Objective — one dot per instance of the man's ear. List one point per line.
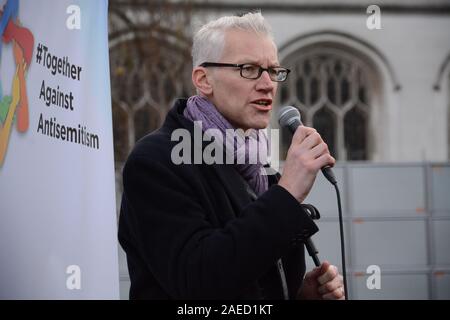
(202, 81)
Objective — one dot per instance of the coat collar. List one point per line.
(236, 187)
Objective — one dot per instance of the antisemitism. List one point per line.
(80, 135)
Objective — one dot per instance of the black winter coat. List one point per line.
(192, 231)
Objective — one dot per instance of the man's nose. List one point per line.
(264, 82)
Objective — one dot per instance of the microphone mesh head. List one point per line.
(287, 114)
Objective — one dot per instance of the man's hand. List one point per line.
(307, 154)
(322, 283)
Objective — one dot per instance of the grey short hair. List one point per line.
(210, 39)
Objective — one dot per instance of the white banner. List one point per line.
(57, 195)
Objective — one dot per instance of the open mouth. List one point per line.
(263, 104)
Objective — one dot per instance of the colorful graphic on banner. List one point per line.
(17, 103)
(58, 230)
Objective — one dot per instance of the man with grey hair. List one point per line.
(223, 230)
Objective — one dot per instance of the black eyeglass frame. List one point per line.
(241, 65)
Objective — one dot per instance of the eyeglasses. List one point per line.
(253, 71)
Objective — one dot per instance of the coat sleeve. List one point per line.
(189, 257)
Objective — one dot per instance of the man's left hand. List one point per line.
(322, 283)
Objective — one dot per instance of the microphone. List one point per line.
(289, 117)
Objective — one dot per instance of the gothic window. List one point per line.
(150, 66)
(331, 89)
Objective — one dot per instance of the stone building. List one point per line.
(377, 95)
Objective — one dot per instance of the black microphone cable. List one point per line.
(341, 232)
(309, 244)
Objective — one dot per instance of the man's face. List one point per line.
(245, 103)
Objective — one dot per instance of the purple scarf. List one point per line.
(200, 109)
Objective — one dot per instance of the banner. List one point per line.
(57, 193)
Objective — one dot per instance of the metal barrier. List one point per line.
(397, 221)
